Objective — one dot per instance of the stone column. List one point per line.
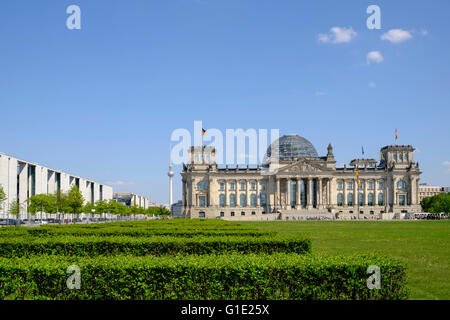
(269, 191)
(320, 200)
(258, 202)
(309, 197)
(278, 205)
(365, 192)
(328, 202)
(226, 193)
(333, 194)
(375, 196)
(247, 193)
(211, 195)
(394, 188)
(412, 190)
(344, 184)
(288, 193)
(297, 194)
(355, 193)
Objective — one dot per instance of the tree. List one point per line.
(15, 208)
(437, 204)
(42, 203)
(2, 195)
(74, 200)
(88, 207)
(60, 201)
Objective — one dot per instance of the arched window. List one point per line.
(232, 200)
(201, 185)
(370, 199)
(222, 200)
(361, 199)
(253, 200)
(242, 200)
(339, 199)
(263, 200)
(350, 199)
(401, 184)
(380, 199)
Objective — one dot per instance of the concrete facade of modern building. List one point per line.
(22, 179)
(131, 199)
(295, 183)
(430, 191)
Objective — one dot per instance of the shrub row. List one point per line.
(94, 246)
(52, 232)
(278, 276)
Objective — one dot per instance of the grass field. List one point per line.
(423, 245)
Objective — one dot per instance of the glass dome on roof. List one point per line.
(292, 146)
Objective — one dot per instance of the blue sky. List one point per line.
(102, 102)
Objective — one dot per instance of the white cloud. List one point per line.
(372, 84)
(338, 35)
(320, 93)
(423, 32)
(396, 35)
(119, 183)
(446, 165)
(374, 56)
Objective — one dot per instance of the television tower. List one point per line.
(170, 174)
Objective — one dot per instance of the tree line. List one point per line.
(436, 204)
(73, 202)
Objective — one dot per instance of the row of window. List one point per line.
(401, 156)
(203, 186)
(222, 214)
(370, 199)
(242, 200)
(370, 185)
(242, 185)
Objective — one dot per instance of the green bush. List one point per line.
(82, 232)
(156, 245)
(278, 276)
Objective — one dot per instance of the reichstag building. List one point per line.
(302, 185)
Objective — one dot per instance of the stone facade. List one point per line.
(302, 186)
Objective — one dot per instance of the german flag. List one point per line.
(203, 132)
(357, 175)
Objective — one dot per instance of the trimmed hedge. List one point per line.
(129, 232)
(278, 276)
(94, 246)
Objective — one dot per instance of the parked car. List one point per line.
(11, 222)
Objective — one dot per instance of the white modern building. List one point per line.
(22, 179)
(131, 199)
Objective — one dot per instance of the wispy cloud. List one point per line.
(396, 36)
(374, 56)
(320, 93)
(423, 32)
(446, 165)
(372, 84)
(119, 183)
(337, 35)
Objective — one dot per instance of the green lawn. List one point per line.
(423, 245)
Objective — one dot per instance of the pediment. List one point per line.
(301, 167)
